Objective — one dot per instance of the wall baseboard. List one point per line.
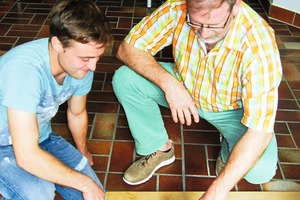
(281, 14)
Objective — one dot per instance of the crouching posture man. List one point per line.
(226, 70)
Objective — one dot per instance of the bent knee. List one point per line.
(262, 172)
(40, 190)
(265, 169)
(122, 75)
(261, 176)
(124, 80)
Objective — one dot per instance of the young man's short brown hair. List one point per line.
(79, 20)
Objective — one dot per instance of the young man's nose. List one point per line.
(92, 64)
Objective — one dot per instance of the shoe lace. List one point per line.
(145, 159)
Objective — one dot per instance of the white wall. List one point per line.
(292, 5)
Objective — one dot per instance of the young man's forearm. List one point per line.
(78, 125)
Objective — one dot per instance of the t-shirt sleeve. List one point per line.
(21, 85)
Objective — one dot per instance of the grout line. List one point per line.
(280, 169)
(292, 136)
(104, 81)
(289, 163)
(236, 187)
(182, 160)
(157, 182)
(292, 92)
(200, 176)
(294, 141)
(207, 162)
(112, 145)
(93, 126)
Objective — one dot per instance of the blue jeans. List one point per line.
(140, 99)
(16, 183)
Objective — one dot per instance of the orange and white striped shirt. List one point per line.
(241, 71)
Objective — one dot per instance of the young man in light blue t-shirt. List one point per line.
(37, 77)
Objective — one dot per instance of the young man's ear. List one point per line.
(236, 7)
(56, 44)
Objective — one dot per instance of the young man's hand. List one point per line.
(94, 192)
(89, 156)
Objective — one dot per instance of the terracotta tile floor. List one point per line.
(196, 146)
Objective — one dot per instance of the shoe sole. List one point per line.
(164, 163)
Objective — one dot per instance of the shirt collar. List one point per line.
(236, 32)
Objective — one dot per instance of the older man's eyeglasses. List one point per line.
(201, 26)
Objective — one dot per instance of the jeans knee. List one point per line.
(45, 193)
(44, 190)
(40, 190)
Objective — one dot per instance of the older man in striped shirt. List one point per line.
(226, 70)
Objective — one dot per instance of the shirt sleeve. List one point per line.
(154, 32)
(261, 79)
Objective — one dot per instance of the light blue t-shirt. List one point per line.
(27, 84)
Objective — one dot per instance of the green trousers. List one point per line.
(140, 99)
